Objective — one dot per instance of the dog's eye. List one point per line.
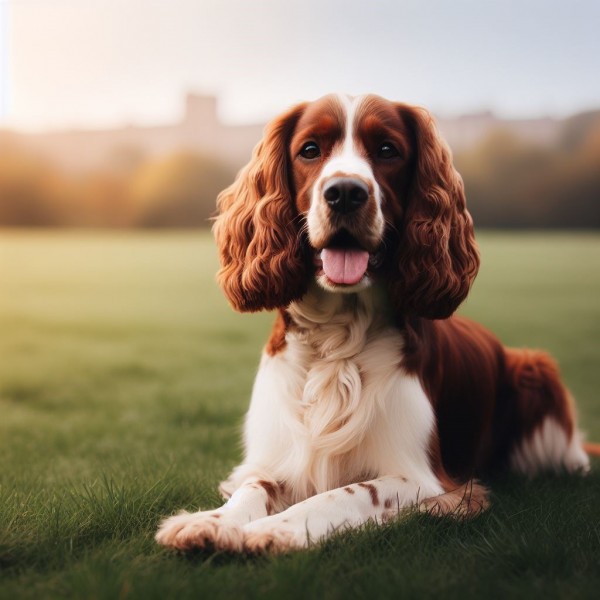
(387, 150)
(310, 150)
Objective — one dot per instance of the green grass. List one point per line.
(124, 377)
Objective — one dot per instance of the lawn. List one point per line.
(124, 377)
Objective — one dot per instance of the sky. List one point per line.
(98, 63)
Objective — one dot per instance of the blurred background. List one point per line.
(132, 114)
(124, 374)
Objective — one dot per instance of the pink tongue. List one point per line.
(344, 266)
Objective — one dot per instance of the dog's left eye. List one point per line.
(387, 150)
(310, 150)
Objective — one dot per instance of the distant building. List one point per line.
(465, 131)
(200, 130)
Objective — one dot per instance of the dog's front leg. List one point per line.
(221, 529)
(317, 517)
(378, 500)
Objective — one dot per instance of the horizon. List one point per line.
(180, 116)
(132, 66)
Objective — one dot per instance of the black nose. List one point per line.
(345, 194)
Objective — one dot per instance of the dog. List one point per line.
(371, 399)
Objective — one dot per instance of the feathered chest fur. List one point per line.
(333, 338)
(336, 397)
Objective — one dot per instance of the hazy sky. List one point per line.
(104, 62)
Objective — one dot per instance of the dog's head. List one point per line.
(350, 191)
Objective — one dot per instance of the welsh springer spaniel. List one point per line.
(350, 221)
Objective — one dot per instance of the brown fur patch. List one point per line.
(540, 393)
(388, 503)
(591, 448)
(276, 342)
(372, 492)
(349, 490)
(272, 490)
(269, 487)
(487, 398)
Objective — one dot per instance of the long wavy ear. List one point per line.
(437, 256)
(263, 262)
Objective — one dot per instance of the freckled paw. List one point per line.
(205, 530)
(272, 539)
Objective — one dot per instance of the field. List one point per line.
(124, 377)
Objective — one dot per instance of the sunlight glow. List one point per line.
(107, 62)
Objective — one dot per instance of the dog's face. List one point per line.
(351, 163)
(352, 191)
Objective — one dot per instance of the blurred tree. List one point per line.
(179, 191)
(509, 183)
(512, 183)
(125, 159)
(576, 129)
(101, 199)
(32, 192)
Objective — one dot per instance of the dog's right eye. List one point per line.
(387, 150)
(310, 150)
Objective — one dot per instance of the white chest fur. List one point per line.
(335, 406)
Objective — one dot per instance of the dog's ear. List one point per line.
(263, 261)
(437, 257)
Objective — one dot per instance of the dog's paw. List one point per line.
(273, 535)
(465, 502)
(211, 530)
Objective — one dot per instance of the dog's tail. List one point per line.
(591, 448)
(545, 412)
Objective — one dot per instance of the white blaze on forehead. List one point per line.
(348, 160)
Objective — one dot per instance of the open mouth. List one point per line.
(344, 261)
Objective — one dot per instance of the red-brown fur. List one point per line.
(486, 398)
(276, 342)
(262, 255)
(437, 256)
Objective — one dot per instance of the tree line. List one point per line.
(510, 183)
